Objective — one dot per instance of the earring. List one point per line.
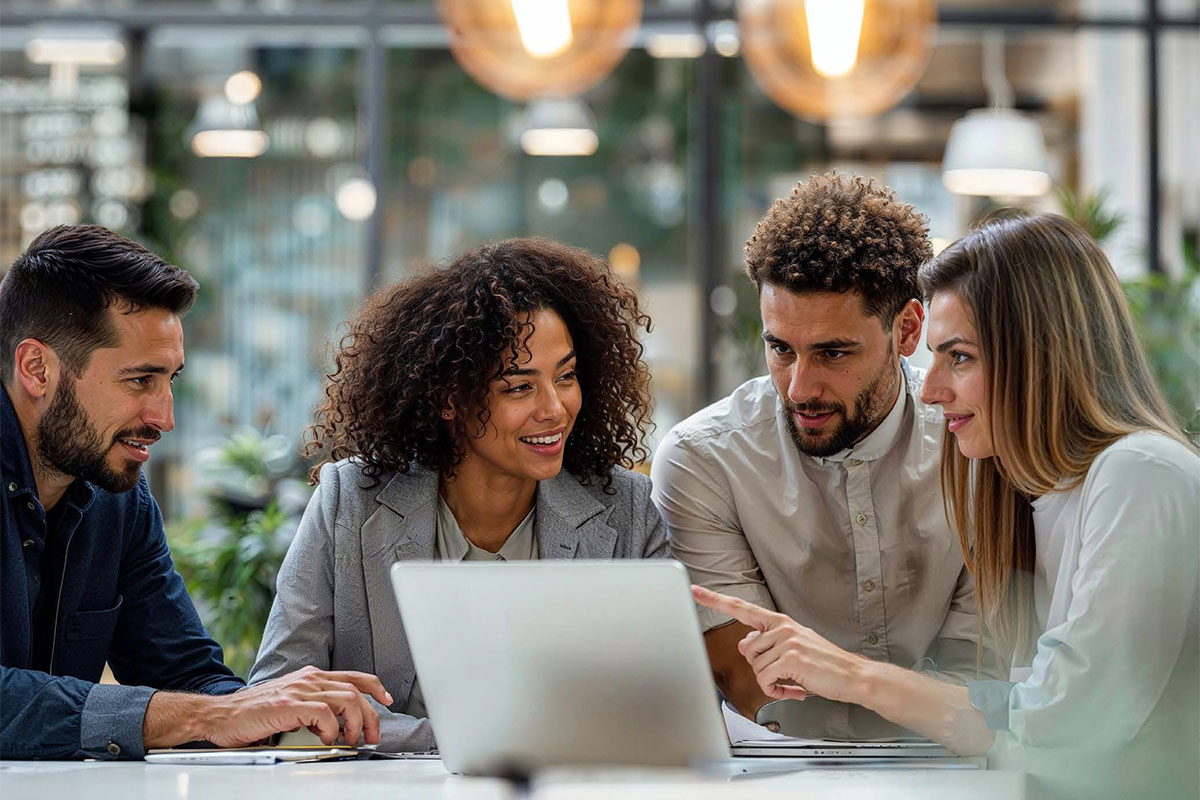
(446, 415)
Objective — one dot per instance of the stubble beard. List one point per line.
(69, 444)
(868, 412)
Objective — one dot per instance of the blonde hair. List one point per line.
(1067, 378)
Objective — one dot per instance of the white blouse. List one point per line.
(1111, 702)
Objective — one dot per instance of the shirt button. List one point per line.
(869, 585)
(29, 506)
(114, 748)
(852, 462)
(12, 487)
(861, 519)
(28, 543)
(872, 639)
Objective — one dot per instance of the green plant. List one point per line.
(229, 566)
(1165, 309)
(230, 558)
(1089, 211)
(1166, 312)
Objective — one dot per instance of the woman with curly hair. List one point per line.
(488, 410)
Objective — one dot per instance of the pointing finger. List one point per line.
(746, 613)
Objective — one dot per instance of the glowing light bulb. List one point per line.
(356, 198)
(242, 87)
(834, 27)
(544, 25)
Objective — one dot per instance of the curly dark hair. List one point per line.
(444, 336)
(837, 233)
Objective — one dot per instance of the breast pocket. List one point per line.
(90, 625)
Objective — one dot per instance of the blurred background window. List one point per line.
(295, 155)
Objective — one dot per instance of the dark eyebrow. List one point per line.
(957, 340)
(519, 371)
(149, 369)
(832, 344)
(836, 344)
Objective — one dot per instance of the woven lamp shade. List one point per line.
(487, 41)
(894, 39)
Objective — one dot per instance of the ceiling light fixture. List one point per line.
(526, 49)
(675, 45)
(828, 59)
(996, 151)
(226, 130)
(544, 26)
(559, 127)
(67, 48)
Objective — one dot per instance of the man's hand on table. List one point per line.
(307, 698)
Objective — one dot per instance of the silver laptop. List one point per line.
(526, 665)
(751, 740)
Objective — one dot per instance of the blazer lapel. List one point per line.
(402, 528)
(570, 523)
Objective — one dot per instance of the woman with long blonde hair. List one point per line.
(1077, 503)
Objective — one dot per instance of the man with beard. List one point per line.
(90, 343)
(815, 490)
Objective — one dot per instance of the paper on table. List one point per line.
(255, 755)
(743, 731)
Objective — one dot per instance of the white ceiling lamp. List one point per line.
(226, 130)
(677, 44)
(559, 126)
(67, 48)
(996, 151)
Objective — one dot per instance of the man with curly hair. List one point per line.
(814, 490)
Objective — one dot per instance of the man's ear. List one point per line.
(36, 369)
(906, 328)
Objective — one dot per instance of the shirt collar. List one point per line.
(453, 545)
(879, 441)
(15, 465)
(16, 468)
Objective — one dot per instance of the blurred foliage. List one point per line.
(229, 564)
(230, 558)
(743, 329)
(1166, 312)
(1089, 211)
(1165, 308)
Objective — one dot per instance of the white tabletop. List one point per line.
(423, 780)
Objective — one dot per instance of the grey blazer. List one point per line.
(334, 607)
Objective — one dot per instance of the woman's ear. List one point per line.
(448, 412)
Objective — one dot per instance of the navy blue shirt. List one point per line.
(90, 582)
(43, 543)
